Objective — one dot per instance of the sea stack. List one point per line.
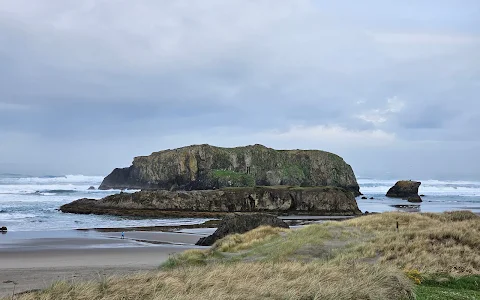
(205, 167)
(405, 189)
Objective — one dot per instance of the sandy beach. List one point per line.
(34, 260)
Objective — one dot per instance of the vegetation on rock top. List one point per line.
(231, 178)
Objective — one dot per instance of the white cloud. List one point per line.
(12, 106)
(424, 38)
(394, 105)
(330, 135)
(379, 116)
(150, 35)
(179, 69)
(420, 45)
(374, 117)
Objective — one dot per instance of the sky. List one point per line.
(391, 86)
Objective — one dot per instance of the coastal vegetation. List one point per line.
(425, 256)
(232, 178)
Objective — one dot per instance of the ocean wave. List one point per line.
(45, 194)
(65, 179)
(425, 181)
(55, 192)
(47, 185)
(36, 189)
(428, 187)
(16, 216)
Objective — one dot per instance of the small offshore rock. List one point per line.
(241, 223)
(91, 188)
(364, 198)
(405, 189)
(414, 199)
(371, 198)
(3, 229)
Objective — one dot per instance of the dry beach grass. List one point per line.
(433, 243)
(362, 258)
(236, 242)
(290, 280)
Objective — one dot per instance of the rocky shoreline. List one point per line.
(217, 203)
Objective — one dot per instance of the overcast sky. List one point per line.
(391, 86)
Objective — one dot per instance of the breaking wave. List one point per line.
(428, 187)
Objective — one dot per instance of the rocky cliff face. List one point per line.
(208, 203)
(203, 167)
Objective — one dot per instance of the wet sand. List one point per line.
(34, 260)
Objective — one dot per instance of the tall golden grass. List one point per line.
(288, 280)
(430, 243)
(237, 242)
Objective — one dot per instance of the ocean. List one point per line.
(31, 203)
(439, 196)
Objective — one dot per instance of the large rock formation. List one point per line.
(240, 223)
(203, 167)
(209, 203)
(405, 189)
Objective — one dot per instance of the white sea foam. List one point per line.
(46, 194)
(67, 179)
(15, 216)
(49, 185)
(31, 203)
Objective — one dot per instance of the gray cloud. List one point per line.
(90, 84)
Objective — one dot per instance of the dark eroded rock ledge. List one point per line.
(241, 223)
(216, 203)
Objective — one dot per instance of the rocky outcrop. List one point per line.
(3, 229)
(240, 223)
(203, 167)
(91, 188)
(209, 203)
(415, 199)
(405, 189)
